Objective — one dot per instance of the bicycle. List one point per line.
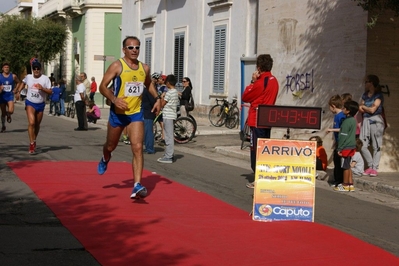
(245, 133)
(184, 129)
(189, 116)
(70, 110)
(224, 113)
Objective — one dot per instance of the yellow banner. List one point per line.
(284, 180)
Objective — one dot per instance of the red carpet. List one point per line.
(176, 225)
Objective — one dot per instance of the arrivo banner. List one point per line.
(284, 180)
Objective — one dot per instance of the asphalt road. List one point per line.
(31, 235)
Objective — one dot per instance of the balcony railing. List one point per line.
(51, 8)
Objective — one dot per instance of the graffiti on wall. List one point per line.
(298, 83)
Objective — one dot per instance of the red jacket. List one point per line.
(255, 94)
(93, 87)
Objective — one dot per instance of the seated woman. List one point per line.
(94, 113)
(321, 158)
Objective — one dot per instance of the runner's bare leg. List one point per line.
(136, 135)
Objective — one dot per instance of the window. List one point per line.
(178, 67)
(219, 63)
(148, 51)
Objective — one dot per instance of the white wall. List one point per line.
(197, 20)
(94, 43)
(330, 41)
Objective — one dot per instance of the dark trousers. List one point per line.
(91, 96)
(56, 106)
(338, 171)
(255, 134)
(81, 114)
(149, 135)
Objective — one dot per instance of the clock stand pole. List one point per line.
(287, 136)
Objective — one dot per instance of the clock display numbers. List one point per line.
(289, 116)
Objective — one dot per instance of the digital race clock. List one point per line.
(288, 116)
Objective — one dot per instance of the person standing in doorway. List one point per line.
(8, 82)
(130, 78)
(373, 126)
(38, 88)
(80, 104)
(262, 90)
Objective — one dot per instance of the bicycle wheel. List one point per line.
(233, 118)
(217, 116)
(245, 135)
(68, 110)
(195, 124)
(183, 130)
(72, 111)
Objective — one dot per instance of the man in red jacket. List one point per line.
(262, 90)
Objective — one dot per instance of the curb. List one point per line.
(377, 187)
(360, 182)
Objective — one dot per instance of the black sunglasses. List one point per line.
(131, 47)
(36, 68)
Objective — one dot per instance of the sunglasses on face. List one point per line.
(36, 68)
(131, 47)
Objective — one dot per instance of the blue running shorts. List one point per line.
(117, 120)
(39, 107)
(6, 97)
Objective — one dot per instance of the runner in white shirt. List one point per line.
(38, 87)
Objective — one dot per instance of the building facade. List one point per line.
(203, 40)
(93, 26)
(320, 48)
(323, 48)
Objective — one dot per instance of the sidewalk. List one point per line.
(385, 183)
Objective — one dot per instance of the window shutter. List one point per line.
(148, 51)
(179, 56)
(219, 63)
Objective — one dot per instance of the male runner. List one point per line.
(38, 87)
(8, 81)
(130, 77)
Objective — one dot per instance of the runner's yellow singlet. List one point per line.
(130, 83)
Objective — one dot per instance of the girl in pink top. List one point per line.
(94, 113)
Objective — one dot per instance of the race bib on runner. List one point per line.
(7, 88)
(133, 89)
(35, 96)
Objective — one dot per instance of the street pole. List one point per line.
(104, 58)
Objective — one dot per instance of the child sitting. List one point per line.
(321, 155)
(94, 113)
(321, 158)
